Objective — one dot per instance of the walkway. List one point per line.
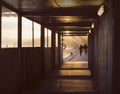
(71, 78)
(76, 56)
(83, 57)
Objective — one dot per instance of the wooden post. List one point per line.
(53, 49)
(59, 48)
(0, 25)
(21, 71)
(19, 31)
(33, 34)
(42, 52)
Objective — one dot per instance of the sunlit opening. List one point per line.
(45, 37)
(72, 51)
(49, 32)
(49, 38)
(37, 35)
(9, 29)
(56, 39)
(26, 32)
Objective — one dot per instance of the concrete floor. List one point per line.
(75, 65)
(69, 79)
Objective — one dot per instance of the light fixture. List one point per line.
(90, 31)
(93, 25)
(67, 19)
(100, 11)
(67, 32)
(66, 3)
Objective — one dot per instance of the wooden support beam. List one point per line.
(19, 31)
(0, 25)
(82, 11)
(33, 34)
(59, 48)
(81, 24)
(75, 35)
(62, 29)
(73, 31)
(42, 52)
(53, 49)
(9, 6)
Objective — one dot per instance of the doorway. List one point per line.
(75, 48)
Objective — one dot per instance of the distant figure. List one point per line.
(85, 48)
(81, 49)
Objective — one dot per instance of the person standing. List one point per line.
(81, 49)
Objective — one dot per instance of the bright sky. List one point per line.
(10, 28)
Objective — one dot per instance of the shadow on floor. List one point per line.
(70, 78)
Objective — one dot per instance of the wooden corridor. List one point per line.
(70, 78)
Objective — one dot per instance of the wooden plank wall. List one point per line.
(103, 51)
(26, 74)
(116, 47)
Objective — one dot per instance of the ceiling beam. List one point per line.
(74, 34)
(3, 3)
(81, 24)
(61, 29)
(82, 11)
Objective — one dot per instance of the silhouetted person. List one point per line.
(81, 49)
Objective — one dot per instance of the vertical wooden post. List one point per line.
(0, 25)
(19, 36)
(92, 52)
(53, 48)
(42, 52)
(19, 31)
(33, 34)
(21, 71)
(42, 36)
(89, 51)
(47, 38)
(116, 48)
(59, 48)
